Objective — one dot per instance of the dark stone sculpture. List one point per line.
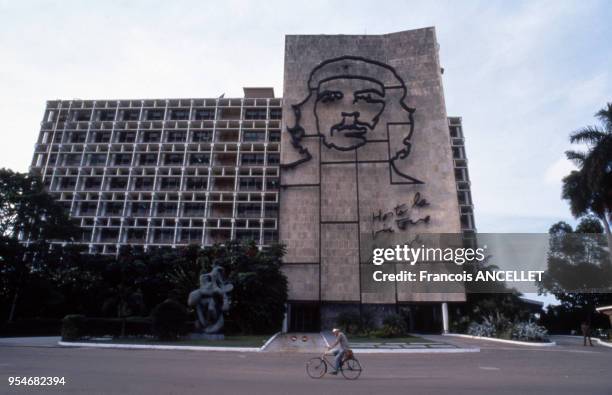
(211, 300)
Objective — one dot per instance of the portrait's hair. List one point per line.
(349, 67)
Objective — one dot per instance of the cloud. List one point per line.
(557, 170)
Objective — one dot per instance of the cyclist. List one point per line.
(343, 346)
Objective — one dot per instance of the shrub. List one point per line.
(394, 325)
(486, 329)
(168, 318)
(529, 331)
(348, 322)
(73, 327)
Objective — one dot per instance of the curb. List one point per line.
(596, 339)
(494, 339)
(158, 347)
(415, 351)
(167, 347)
(270, 340)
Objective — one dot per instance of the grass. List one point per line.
(229, 341)
(403, 339)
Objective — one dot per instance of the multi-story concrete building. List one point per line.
(164, 171)
(360, 136)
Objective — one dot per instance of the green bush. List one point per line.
(73, 327)
(348, 322)
(529, 331)
(168, 318)
(394, 325)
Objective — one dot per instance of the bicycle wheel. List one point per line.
(351, 369)
(316, 368)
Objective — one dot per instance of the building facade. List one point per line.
(164, 172)
(361, 135)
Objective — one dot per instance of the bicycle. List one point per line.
(350, 367)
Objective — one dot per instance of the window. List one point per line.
(106, 115)
(249, 210)
(114, 208)
(252, 159)
(123, 159)
(251, 135)
(127, 137)
(148, 159)
(276, 113)
(118, 183)
(196, 184)
(130, 115)
(255, 114)
(272, 184)
(250, 184)
(151, 137)
(179, 114)
(173, 159)
(92, 183)
(97, 159)
(88, 208)
(273, 159)
(67, 183)
(140, 209)
(204, 114)
(166, 209)
(200, 136)
(77, 137)
(170, 183)
(194, 209)
(102, 137)
(72, 160)
(175, 136)
(199, 159)
(274, 136)
(143, 183)
(155, 115)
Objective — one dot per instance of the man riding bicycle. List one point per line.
(343, 346)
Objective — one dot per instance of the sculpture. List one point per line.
(211, 300)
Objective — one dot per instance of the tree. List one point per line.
(578, 272)
(29, 219)
(589, 189)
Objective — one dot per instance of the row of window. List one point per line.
(189, 209)
(167, 159)
(159, 114)
(166, 183)
(167, 236)
(172, 136)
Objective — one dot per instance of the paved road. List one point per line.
(497, 369)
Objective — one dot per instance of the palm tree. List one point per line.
(589, 189)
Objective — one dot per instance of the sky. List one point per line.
(523, 75)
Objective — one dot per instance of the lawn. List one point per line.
(229, 341)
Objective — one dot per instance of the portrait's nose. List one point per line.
(350, 117)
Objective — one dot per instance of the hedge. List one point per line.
(75, 327)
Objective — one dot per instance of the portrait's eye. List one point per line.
(329, 96)
(369, 96)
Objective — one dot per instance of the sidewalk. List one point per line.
(39, 341)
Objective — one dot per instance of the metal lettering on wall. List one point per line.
(347, 98)
(400, 217)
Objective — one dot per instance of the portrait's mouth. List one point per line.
(352, 130)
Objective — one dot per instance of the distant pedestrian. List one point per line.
(586, 332)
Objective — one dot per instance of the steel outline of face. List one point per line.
(393, 81)
(349, 127)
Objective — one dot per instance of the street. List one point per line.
(498, 369)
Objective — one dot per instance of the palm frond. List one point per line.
(605, 116)
(589, 135)
(577, 157)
